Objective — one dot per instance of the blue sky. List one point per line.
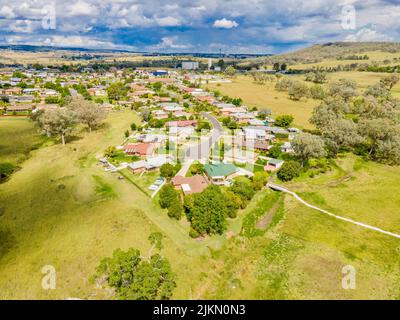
(234, 26)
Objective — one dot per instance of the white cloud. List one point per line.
(67, 41)
(81, 8)
(225, 24)
(7, 12)
(367, 34)
(168, 22)
(170, 43)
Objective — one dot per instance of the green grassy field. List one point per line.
(62, 209)
(303, 255)
(18, 137)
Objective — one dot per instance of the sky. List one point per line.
(208, 26)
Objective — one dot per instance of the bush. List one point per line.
(243, 188)
(260, 179)
(289, 171)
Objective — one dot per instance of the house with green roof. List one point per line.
(219, 172)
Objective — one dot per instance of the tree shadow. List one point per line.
(7, 242)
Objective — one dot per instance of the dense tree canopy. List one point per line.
(135, 278)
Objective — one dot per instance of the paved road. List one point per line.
(283, 189)
(202, 150)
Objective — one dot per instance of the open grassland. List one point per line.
(266, 97)
(303, 255)
(18, 137)
(64, 210)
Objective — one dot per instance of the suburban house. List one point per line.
(287, 147)
(11, 91)
(151, 137)
(256, 122)
(273, 164)
(226, 112)
(149, 164)
(243, 117)
(190, 185)
(139, 149)
(219, 172)
(181, 123)
(171, 107)
(160, 114)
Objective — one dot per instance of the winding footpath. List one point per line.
(363, 225)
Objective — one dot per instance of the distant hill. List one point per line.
(319, 52)
(31, 48)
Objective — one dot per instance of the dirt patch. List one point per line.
(265, 220)
(335, 183)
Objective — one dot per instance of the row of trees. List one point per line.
(62, 121)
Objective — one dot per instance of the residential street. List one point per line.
(202, 150)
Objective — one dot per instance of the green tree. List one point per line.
(244, 188)
(136, 279)
(260, 179)
(167, 170)
(289, 171)
(317, 92)
(117, 91)
(284, 120)
(111, 152)
(60, 121)
(168, 195)
(298, 90)
(275, 151)
(306, 146)
(208, 214)
(133, 126)
(175, 210)
(230, 71)
(343, 88)
(390, 81)
(233, 203)
(88, 112)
